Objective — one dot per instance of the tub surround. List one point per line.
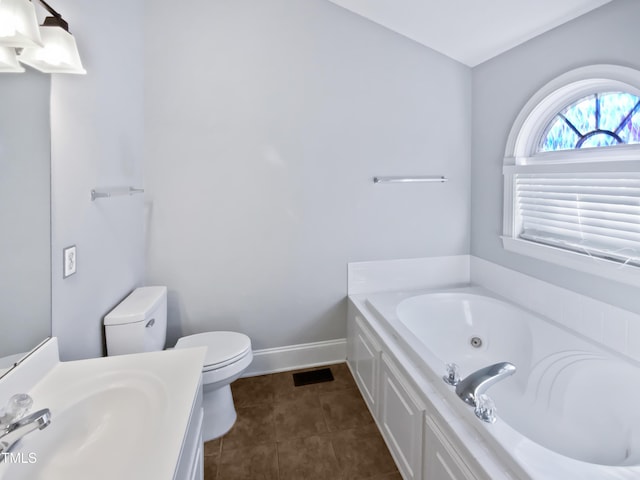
(610, 326)
(408, 274)
(142, 411)
(386, 365)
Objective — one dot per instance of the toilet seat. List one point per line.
(223, 348)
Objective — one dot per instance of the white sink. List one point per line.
(111, 418)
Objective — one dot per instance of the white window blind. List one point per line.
(597, 214)
(572, 174)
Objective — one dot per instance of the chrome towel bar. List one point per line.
(115, 192)
(439, 178)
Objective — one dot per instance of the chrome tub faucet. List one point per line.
(477, 383)
(472, 389)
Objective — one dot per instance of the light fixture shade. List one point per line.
(9, 61)
(18, 24)
(58, 55)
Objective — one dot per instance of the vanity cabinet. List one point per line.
(191, 463)
(141, 416)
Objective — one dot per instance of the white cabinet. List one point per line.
(400, 416)
(190, 465)
(441, 460)
(422, 447)
(364, 359)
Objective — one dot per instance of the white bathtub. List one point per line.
(571, 410)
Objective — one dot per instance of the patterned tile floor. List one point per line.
(314, 432)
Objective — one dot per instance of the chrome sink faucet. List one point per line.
(12, 432)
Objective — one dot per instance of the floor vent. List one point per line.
(314, 376)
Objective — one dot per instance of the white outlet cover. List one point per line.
(70, 261)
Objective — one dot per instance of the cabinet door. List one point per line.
(441, 461)
(366, 358)
(198, 466)
(401, 414)
(190, 461)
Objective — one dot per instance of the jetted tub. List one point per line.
(571, 410)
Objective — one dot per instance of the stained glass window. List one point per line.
(599, 120)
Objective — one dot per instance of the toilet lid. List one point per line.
(222, 347)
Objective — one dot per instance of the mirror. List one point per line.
(25, 214)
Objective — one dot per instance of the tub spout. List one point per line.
(470, 388)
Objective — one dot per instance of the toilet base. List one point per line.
(219, 412)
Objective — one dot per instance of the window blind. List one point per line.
(597, 214)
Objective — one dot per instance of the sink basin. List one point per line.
(116, 417)
(85, 425)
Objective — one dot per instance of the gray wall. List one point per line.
(97, 141)
(25, 263)
(501, 87)
(265, 124)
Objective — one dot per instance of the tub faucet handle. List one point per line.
(485, 409)
(453, 374)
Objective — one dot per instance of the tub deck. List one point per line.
(568, 412)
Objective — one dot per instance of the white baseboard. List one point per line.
(292, 357)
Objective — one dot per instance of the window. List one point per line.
(598, 120)
(572, 174)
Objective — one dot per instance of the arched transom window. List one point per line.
(598, 120)
(572, 174)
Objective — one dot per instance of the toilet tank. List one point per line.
(138, 323)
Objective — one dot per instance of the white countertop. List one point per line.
(122, 417)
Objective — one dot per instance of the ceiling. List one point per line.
(470, 31)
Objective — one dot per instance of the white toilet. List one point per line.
(139, 324)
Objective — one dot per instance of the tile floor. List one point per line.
(313, 432)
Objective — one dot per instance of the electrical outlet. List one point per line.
(69, 261)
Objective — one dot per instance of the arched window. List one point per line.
(572, 174)
(598, 120)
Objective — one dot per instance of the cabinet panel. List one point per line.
(197, 472)
(441, 461)
(366, 356)
(190, 463)
(401, 414)
(423, 446)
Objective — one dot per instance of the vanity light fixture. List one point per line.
(18, 24)
(59, 53)
(9, 61)
(54, 52)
